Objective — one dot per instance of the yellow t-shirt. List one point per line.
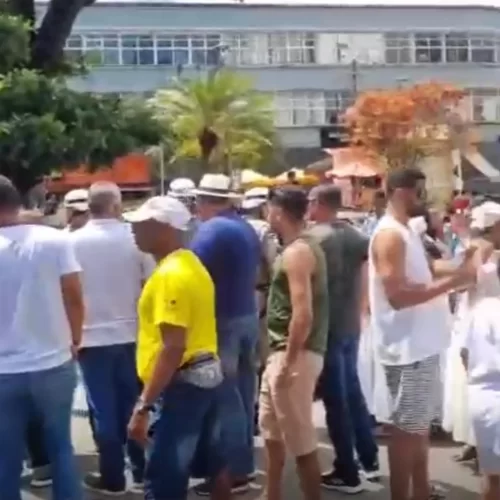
(180, 292)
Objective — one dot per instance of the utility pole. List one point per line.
(354, 77)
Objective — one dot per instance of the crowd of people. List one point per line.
(202, 317)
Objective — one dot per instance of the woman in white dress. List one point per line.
(480, 349)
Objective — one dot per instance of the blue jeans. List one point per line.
(347, 417)
(37, 451)
(112, 388)
(237, 340)
(46, 397)
(185, 441)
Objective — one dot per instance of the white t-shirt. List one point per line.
(113, 271)
(410, 334)
(34, 330)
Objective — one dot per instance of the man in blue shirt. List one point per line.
(230, 250)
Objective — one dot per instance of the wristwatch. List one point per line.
(142, 408)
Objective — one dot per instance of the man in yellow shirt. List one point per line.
(176, 359)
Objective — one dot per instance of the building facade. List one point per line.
(312, 58)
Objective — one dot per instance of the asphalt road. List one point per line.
(459, 481)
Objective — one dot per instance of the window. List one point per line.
(246, 49)
(205, 50)
(309, 108)
(428, 48)
(485, 105)
(397, 48)
(291, 48)
(482, 48)
(457, 47)
(98, 49)
(138, 50)
(336, 102)
(75, 47)
(172, 50)
(110, 49)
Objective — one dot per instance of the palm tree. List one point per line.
(220, 119)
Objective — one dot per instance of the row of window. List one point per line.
(209, 49)
(313, 108)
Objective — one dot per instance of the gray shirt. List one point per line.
(346, 249)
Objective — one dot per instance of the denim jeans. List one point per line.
(37, 451)
(347, 417)
(185, 441)
(46, 397)
(237, 340)
(113, 387)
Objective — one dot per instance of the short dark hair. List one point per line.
(291, 199)
(10, 199)
(327, 195)
(379, 195)
(404, 178)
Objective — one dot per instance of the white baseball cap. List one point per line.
(485, 215)
(254, 198)
(181, 188)
(164, 209)
(77, 199)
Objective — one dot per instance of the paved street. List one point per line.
(459, 481)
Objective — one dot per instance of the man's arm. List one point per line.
(389, 252)
(71, 289)
(171, 316)
(299, 264)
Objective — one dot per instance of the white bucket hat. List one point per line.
(182, 187)
(216, 185)
(254, 198)
(77, 199)
(164, 209)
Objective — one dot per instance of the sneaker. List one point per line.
(437, 493)
(93, 482)
(137, 487)
(372, 473)
(333, 481)
(41, 477)
(238, 488)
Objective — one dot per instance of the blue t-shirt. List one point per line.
(230, 250)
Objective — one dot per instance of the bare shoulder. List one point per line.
(387, 241)
(298, 254)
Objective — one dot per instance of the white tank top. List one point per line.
(414, 333)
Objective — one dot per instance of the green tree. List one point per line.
(46, 43)
(220, 119)
(44, 125)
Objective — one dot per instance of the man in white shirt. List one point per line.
(41, 316)
(409, 311)
(113, 273)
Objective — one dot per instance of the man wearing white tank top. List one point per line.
(408, 306)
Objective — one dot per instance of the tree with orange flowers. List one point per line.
(401, 126)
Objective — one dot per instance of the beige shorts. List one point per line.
(285, 413)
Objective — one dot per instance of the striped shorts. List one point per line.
(414, 390)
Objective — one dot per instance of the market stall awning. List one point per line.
(296, 175)
(251, 178)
